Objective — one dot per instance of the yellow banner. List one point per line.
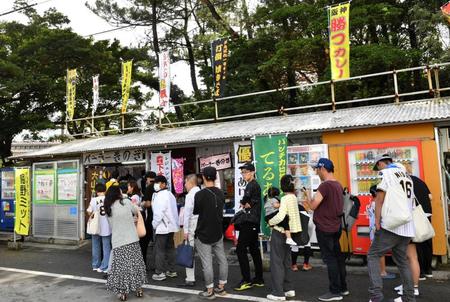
(126, 82)
(23, 200)
(70, 92)
(339, 41)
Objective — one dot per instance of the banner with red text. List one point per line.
(164, 81)
(161, 164)
(339, 32)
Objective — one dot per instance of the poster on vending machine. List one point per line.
(301, 162)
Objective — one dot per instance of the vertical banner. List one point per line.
(219, 59)
(446, 11)
(126, 83)
(270, 156)
(95, 94)
(161, 163)
(70, 92)
(178, 174)
(243, 152)
(23, 201)
(164, 81)
(339, 25)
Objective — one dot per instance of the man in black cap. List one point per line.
(248, 231)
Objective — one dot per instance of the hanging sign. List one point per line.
(178, 174)
(161, 164)
(220, 161)
(164, 81)
(219, 58)
(243, 152)
(71, 92)
(23, 201)
(126, 83)
(95, 93)
(110, 157)
(339, 41)
(270, 156)
(446, 11)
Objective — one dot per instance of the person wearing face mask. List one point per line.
(165, 223)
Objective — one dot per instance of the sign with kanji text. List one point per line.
(243, 152)
(111, 157)
(161, 164)
(164, 81)
(71, 86)
(126, 83)
(339, 41)
(270, 156)
(446, 11)
(220, 161)
(178, 174)
(219, 58)
(23, 201)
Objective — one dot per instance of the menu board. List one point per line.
(67, 186)
(8, 184)
(44, 187)
(301, 162)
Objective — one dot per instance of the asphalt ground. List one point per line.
(30, 286)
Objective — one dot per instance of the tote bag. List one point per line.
(396, 210)
(93, 225)
(140, 226)
(423, 227)
(185, 255)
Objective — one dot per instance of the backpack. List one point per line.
(351, 210)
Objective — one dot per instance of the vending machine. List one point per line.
(7, 195)
(361, 176)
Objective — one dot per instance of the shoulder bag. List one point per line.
(396, 210)
(140, 226)
(93, 225)
(423, 227)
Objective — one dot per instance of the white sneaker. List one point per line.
(400, 287)
(290, 294)
(99, 270)
(416, 292)
(290, 241)
(275, 298)
(399, 299)
(159, 277)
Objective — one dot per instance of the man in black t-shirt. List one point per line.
(424, 249)
(208, 205)
(248, 231)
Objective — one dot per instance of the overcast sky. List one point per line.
(85, 22)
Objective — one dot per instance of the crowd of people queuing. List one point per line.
(118, 251)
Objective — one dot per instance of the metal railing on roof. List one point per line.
(431, 72)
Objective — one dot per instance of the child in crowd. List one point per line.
(271, 209)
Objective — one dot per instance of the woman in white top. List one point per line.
(101, 242)
(134, 192)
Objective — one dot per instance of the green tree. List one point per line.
(33, 62)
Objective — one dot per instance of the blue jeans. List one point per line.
(101, 245)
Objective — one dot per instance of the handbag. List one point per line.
(93, 225)
(302, 238)
(396, 210)
(185, 255)
(424, 228)
(140, 226)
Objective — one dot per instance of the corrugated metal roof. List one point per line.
(360, 117)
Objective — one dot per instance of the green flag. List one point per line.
(270, 156)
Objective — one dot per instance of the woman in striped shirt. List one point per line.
(280, 253)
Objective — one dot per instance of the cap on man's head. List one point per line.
(326, 163)
(380, 158)
(161, 179)
(209, 173)
(247, 166)
(150, 174)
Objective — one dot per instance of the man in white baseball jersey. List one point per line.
(395, 240)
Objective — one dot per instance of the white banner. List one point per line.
(242, 153)
(110, 157)
(95, 95)
(161, 164)
(220, 161)
(164, 81)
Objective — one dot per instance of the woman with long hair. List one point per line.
(127, 271)
(134, 192)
